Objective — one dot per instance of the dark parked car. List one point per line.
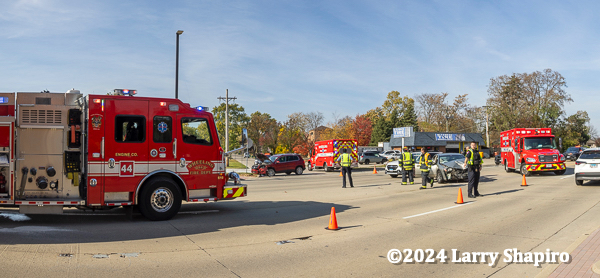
(370, 156)
(573, 153)
(285, 163)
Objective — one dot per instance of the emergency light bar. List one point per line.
(3, 100)
(124, 92)
(202, 108)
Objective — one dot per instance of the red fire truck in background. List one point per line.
(325, 153)
(531, 150)
(98, 151)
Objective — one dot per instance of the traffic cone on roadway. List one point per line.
(332, 220)
(524, 182)
(459, 199)
(341, 173)
(374, 170)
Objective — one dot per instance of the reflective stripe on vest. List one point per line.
(407, 160)
(346, 160)
(471, 157)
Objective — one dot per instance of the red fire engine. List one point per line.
(531, 150)
(97, 151)
(325, 153)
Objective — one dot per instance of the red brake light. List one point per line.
(579, 162)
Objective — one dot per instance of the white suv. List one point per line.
(586, 166)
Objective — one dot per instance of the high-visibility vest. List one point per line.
(474, 160)
(346, 160)
(425, 160)
(407, 160)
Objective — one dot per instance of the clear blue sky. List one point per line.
(280, 57)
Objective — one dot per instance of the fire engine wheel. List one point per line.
(160, 199)
(524, 170)
(271, 172)
(299, 170)
(506, 167)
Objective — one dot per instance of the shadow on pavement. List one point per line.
(113, 225)
(503, 192)
(487, 178)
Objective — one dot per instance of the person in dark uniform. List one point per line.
(425, 161)
(407, 167)
(474, 161)
(345, 160)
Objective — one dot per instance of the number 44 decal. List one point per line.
(127, 169)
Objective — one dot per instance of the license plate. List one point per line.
(549, 166)
(593, 165)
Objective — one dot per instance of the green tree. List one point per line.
(237, 121)
(263, 130)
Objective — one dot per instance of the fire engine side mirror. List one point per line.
(246, 142)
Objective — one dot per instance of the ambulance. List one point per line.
(94, 152)
(531, 150)
(324, 154)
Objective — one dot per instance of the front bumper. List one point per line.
(543, 167)
(231, 191)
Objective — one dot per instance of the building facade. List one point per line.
(437, 141)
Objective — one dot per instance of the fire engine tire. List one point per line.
(440, 177)
(160, 199)
(561, 172)
(367, 161)
(506, 167)
(299, 170)
(579, 182)
(524, 170)
(271, 172)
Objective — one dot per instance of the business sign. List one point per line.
(450, 137)
(400, 132)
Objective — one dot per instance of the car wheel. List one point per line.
(524, 170)
(299, 170)
(367, 161)
(394, 176)
(561, 172)
(310, 168)
(579, 182)
(160, 199)
(271, 172)
(440, 177)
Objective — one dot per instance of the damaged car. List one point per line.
(449, 167)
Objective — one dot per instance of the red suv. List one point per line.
(285, 163)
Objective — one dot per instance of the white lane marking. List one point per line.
(407, 217)
(568, 176)
(33, 229)
(15, 216)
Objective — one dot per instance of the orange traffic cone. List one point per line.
(374, 170)
(332, 220)
(524, 182)
(341, 173)
(459, 199)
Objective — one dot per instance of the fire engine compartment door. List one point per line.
(126, 150)
(198, 152)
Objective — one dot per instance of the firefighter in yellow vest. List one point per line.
(474, 160)
(425, 161)
(407, 167)
(345, 160)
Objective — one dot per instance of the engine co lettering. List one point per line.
(126, 154)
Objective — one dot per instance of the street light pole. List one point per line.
(179, 32)
(226, 99)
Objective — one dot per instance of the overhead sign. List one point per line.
(400, 132)
(450, 137)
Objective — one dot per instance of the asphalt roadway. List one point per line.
(278, 230)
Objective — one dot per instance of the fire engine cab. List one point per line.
(325, 153)
(531, 150)
(99, 151)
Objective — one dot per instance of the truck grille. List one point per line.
(41, 117)
(547, 158)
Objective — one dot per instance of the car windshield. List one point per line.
(273, 158)
(590, 155)
(448, 158)
(572, 149)
(539, 143)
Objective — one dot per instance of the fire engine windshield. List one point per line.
(539, 143)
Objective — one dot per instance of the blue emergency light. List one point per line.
(202, 108)
(124, 92)
(3, 100)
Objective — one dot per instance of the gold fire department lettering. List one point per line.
(126, 154)
(201, 167)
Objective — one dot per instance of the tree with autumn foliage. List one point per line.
(362, 129)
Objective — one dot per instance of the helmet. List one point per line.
(406, 148)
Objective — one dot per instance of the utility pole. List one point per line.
(179, 32)
(487, 134)
(226, 99)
